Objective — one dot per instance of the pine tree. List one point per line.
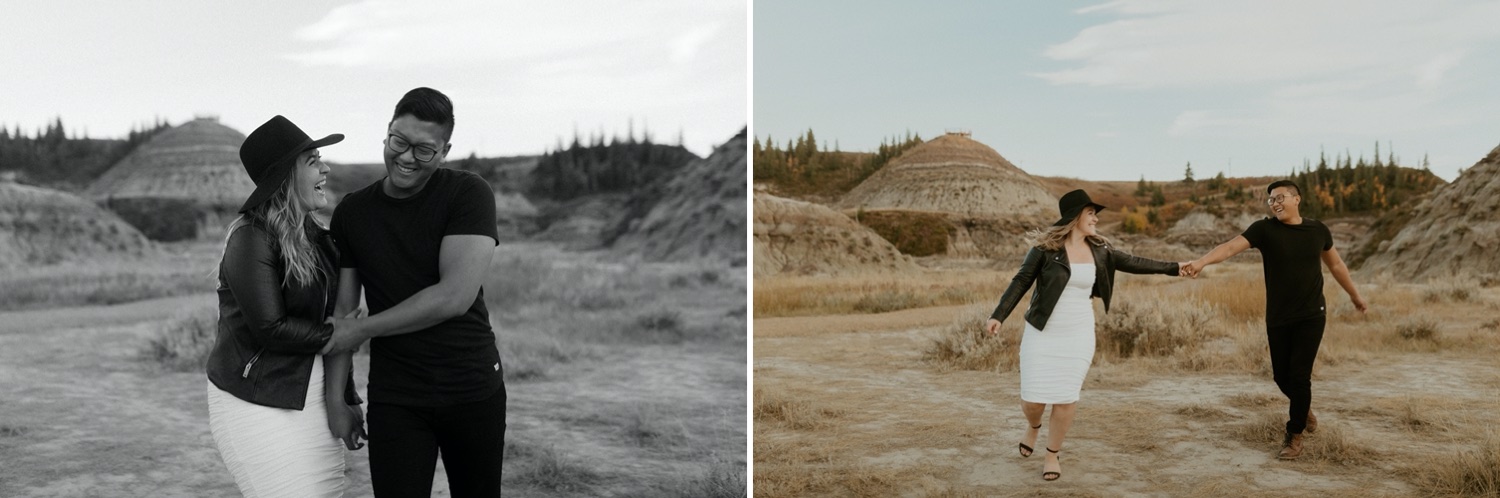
(1188, 176)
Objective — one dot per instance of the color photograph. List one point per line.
(1125, 248)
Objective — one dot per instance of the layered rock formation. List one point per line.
(799, 237)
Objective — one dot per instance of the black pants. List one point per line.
(1294, 346)
(405, 442)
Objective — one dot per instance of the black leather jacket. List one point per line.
(1050, 271)
(268, 333)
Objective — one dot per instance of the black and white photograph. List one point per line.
(374, 248)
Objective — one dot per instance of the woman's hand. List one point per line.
(347, 423)
(992, 326)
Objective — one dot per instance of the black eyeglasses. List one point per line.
(1271, 201)
(399, 145)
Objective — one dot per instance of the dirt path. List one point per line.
(874, 418)
(81, 415)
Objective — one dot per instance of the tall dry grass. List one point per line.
(184, 342)
(179, 269)
(804, 296)
(1463, 472)
(964, 345)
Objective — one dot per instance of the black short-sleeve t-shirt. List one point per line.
(394, 245)
(1292, 262)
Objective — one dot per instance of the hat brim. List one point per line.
(277, 173)
(1073, 213)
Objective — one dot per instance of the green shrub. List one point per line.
(916, 234)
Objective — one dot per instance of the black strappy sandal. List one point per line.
(1026, 451)
(1049, 475)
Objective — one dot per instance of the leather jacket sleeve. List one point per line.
(254, 275)
(1128, 263)
(1025, 277)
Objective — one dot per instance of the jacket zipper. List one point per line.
(246, 375)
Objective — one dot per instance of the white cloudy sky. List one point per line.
(1114, 90)
(521, 74)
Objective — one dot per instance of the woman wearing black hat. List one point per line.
(268, 411)
(1070, 264)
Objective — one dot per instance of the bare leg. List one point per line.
(1062, 418)
(1033, 413)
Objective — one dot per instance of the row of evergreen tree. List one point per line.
(803, 168)
(1342, 185)
(597, 166)
(51, 158)
(1350, 186)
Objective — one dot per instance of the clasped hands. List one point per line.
(1189, 268)
(347, 333)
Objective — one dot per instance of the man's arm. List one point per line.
(463, 264)
(1224, 251)
(1340, 273)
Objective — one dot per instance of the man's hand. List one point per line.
(992, 326)
(347, 333)
(1359, 304)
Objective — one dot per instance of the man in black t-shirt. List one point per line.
(419, 243)
(1291, 248)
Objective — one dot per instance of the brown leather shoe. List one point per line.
(1291, 448)
(1312, 423)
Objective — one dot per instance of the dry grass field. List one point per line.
(178, 268)
(624, 378)
(1179, 401)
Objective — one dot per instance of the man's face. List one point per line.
(422, 150)
(1283, 202)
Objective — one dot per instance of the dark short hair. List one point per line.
(1283, 183)
(427, 105)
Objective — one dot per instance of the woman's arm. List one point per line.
(1025, 277)
(344, 417)
(338, 367)
(252, 272)
(1129, 263)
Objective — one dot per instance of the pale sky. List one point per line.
(520, 74)
(1113, 90)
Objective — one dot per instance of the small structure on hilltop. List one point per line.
(45, 226)
(957, 190)
(1453, 232)
(186, 182)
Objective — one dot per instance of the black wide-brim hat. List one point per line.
(269, 154)
(1071, 205)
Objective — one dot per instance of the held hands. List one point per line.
(347, 423)
(1189, 269)
(347, 333)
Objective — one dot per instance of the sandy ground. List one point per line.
(82, 415)
(892, 423)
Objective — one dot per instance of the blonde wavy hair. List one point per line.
(292, 223)
(1053, 238)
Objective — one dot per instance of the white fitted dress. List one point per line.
(1054, 361)
(277, 452)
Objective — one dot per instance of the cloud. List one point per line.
(397, 36)
(1185, 43)
(1283, 66)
